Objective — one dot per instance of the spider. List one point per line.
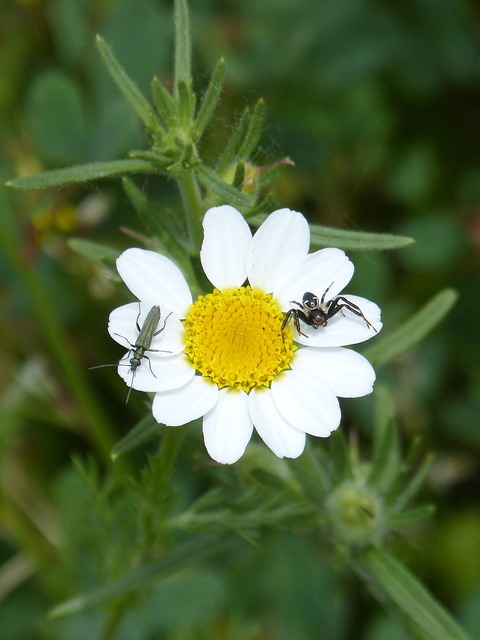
(316, 312)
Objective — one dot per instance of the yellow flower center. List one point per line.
(234, 337)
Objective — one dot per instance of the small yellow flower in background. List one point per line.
(225, 357)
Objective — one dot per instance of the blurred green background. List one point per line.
(378, 105)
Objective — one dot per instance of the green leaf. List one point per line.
(386, 446)
(94, 250)
(340, 457)
(183, 47)
(321, 236)
(82, 173)
(166, 105)
(407, 518)
(254, 131)
(226, 192)
(210, 99)
(144, 431)
(186, 102)
(411, 597)
(181, 558)
(414, 485)
(126, 85)
(230, 152)
(389, 347)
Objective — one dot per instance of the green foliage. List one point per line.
(373, 111)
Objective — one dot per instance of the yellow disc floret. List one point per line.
(234, 337)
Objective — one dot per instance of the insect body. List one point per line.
(316, 312)
(146, 333)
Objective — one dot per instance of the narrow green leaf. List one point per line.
(126, 84)
(411, 597)
(254, 131)
(94, 250)
(183, 47)
(144, 431)
(226, 192)
(414, 485)
(267, 175)
(162, 222)
(239, 176)
(181, 558)
(186, 102)
(82, 173)
(166, 105)
(386, 446)
(321, 236)
(412, 516)
(230, 153)
(340, 458)
(210, 99)
(349, 240)
(389, 347)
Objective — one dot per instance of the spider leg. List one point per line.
(340, 303)
(325, 293)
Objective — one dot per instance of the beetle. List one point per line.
(316, 312)
(146, 333)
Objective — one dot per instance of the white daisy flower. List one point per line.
(225, 357)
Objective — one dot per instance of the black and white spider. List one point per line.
(315, 312)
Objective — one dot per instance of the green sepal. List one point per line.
(144, 431)
(83, 173)
(210, 99)
(126, 85)
(389, 347)
(413, 600)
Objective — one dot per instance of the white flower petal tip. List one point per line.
(156, 372)
(180, 406)
(279, 244)
(227, 237)
(347, 373)
(227, 428)
(155, 279)
(284, 440)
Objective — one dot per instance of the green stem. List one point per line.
(192, 207)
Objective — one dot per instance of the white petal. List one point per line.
(283, 439)
(306, 402)
(344, 328)
(154, 278)
(280, 243)
(156, 372)
(346, 372)
(180, 406)
(224, 248)
(227, 428)
(320, 270)
(124, 323)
